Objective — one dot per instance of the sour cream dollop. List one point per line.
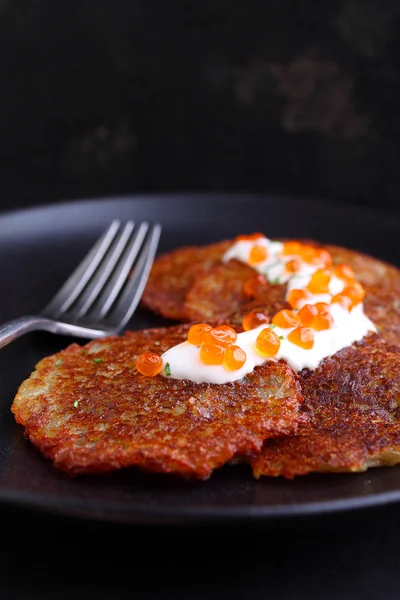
(183, 360)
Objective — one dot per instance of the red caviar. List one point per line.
(319, 282)
(229, 332)
(249, 237)
(257, 254)
(254, 319)
(322, 321)
(355, 292)
(267, 343)
(253, 286)
(322, 307)
(291, 248)
(293, 266)
(344, 301)
(285, 318)
(196, 333)
(149, 364)
(344, 272)
(297, 297)
(307, 314)
(212, 354)
(303, 337)
(234, 358)
(218, 337)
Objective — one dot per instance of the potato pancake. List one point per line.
(90, 411)
(352, 401)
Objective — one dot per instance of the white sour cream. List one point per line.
(185, 363)
(184, 359)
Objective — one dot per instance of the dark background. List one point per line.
(101, 97)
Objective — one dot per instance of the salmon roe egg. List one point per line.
(149, 364)
(297, 298)
(234, 358)
(291, 248)
(344, 301)
(253, 286)
(319, 282)
(249, 237)
(285, 318)
(309, 255)
(254, 319)
(219, 337)
(322, 321)
(293, 266)
(257, 254)
(322, 307)
(344, 272)
(303, 337)
(228, 331)
(196, 333)
(307, 314)
(324, 257)
(267, 343)
(212, 354)
(355, 292)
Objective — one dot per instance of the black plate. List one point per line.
(40, 247)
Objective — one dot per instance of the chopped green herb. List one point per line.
(272, 326)
(84, 352)
(167, 370)
(98, 360)
(76, 403)
(59, 362)
(281, 337)
(276, 281)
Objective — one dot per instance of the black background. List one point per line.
(101, 98)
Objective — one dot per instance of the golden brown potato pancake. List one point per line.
(352, 401)
(90, 411)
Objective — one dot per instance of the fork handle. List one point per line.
(14, 329)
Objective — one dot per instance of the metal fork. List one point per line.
(101, 295)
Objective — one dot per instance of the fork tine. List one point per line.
(127, 303)
(101, 276)
(81, 275)
(110, 292)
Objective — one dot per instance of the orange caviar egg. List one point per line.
(322, 307)
(319, 282)
(344, 272)
(234, 358)
(212, 354)
(257, 254)
(297, 297)
(229, 331)
(285, 318)
(254, 285)
(355, 292)
(324, 257)
(196, 333)
(307, 314)
(303, 337)
(344, 301)
(149, 364)
(219, 337)
(309, 255)
(267, 343)
(322, 321)
(250, 237)
(254, 319)
(290, 248)
(293, 266)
